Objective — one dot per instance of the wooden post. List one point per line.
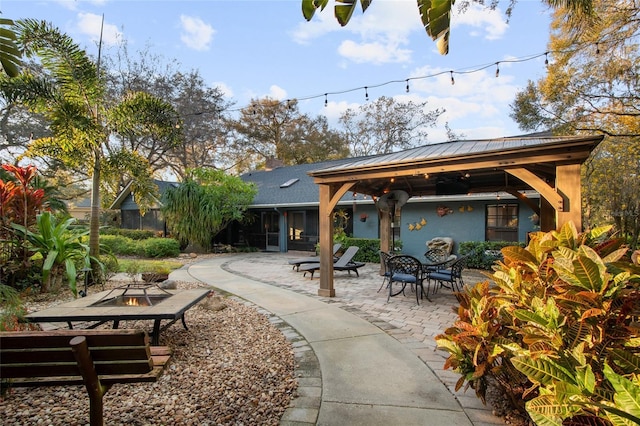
(569, 187)
(91, 380)
(326, 243)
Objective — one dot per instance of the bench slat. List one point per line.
(65, 354)
(60, 338)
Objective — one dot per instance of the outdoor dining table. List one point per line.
(93, 309)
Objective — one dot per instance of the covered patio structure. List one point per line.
(547, 164)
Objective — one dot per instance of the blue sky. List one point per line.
(252, 49)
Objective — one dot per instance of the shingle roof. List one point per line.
(304, 192)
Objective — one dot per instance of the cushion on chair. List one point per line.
(407, 278)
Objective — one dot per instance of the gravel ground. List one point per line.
(233, 367)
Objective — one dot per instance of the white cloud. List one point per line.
(373, 52)
(90, 24)
(196, 34)
(277, 92)
(380, 33)
(487, 23)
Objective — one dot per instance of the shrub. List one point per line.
(483, 254)
(160, 247)
(369, 249)
(134, 234)
(559, 330)
(119, 245)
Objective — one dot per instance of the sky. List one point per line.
(256, 48)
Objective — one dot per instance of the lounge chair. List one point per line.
(312, 259)
(344, 263)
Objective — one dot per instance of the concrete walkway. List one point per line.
(362, 361)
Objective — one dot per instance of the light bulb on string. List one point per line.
(546, 58)
(497, 69)
(407, 85)
(366, 94)
(597, 48)
(326, 102)
(452, 79)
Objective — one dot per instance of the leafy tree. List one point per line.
(386, 125)
(71, 94)
(592, 86)
(270, 129)
(435, 14)
(200, 107)
(204, 204)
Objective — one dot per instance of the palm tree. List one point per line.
(435, 14)
(85, 125)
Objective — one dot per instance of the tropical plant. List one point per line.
(87, 127)
(9, 52)
(435, 14)
(61, 248)
(559, 330)
(20, 201)
(204, 204)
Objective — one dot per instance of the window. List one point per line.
(502, 222)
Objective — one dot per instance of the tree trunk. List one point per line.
(94, 224)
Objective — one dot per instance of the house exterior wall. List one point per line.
(465, 222)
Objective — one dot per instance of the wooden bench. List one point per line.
(96, 358)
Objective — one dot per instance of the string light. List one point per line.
(467, 70)
(326, 102)
(366, 94)
(497, 69)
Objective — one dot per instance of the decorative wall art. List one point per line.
(443, 210)
(418, 225)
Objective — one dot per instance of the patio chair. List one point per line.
(405, 269)
(438, 258)
(313, 259)
(384, 263)
(451, 275)
(344, 263)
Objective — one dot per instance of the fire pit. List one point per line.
(131, 300)
(140, 296)
(153, 303)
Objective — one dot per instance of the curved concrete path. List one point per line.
(368, 377)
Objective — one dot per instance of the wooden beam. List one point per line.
(528, 201)
(433, 167)
(545, 190)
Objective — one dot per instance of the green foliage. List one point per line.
(369, 249)
(9, 53)
(151, 265)
(204, 204)
(134, 234)
(559, 330)
(160, 247)
(61, 248)
(482, 254)
(119, 245)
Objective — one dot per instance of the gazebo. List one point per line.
(549, 165)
